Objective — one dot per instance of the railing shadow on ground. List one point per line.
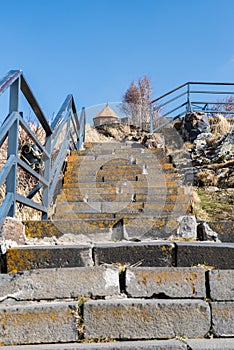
(65, 133)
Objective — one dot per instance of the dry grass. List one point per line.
(206, 178)
(214, 205)
(222, 127)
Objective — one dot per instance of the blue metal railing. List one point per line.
(211, 98)
(66, 132)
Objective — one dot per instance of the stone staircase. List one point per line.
(110, 271)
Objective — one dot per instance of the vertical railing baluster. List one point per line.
(47, 173)
(14, 96)
(13, 143)
(188, 106)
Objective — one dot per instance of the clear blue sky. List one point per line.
(95, 48)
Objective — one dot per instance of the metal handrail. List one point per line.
(178, 102)
(66, 132)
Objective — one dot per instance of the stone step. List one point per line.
(125, 207)
(108, 186)
(56, 321)
(117, 178)
(161, 318)
(121, 189)
(104, 281)
(129, 155)
(131, 170)
(137, 148)
(118, 164)
(100, 216)
(64, 283)
(35, 323)
(112, 345)
(94, 165)
(111, 175)
(224, 230)
(157, 254)
(107, 145)
(120, 197)
(96, 229)
(94, 216)
(168, 344)
(117, 181)
(134, 158)
(51, 322)
(144, 254)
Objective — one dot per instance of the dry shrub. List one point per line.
(188, 145)
(222, 127)
(206, 178)
(213, 139)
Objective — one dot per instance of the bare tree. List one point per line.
(136, 101)
(145, 95)
(226, 105)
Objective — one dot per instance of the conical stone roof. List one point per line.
(106, 112)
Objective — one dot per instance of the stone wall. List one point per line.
(182, 292)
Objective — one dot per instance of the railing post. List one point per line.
(188, 106)
(14, 96)
(12, 176)
(13, 143)
(82, 128)
(47, 171)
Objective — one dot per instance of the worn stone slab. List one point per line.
(165, 282)
(223, 318)
(149, 227)
(80, 207)
(224, 229)
(145, 319)
(41, 257)
(60, 283)
(132, 345)
(218, 255)
(211, 344)
(187, 227)
(38, 323)
(141, 190)
(221, 284)
(142, 253)
(93, 216)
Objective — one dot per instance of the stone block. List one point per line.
(187, 227)
(145, 319)
(145, 227)
(60, 283)
(142, 253)
(210, 344)
(41, 229)
(224, 229)
(221, 284)
(165, 282)
(37, 323)
(123, 345)
(41, 257)
(223, 318)
(71, 223)
(218, 255)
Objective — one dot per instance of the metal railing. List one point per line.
(211, 98)
(66, 132)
